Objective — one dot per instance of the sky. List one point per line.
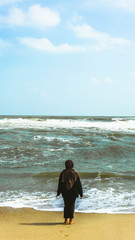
(67, 57)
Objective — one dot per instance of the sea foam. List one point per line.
(114, 125)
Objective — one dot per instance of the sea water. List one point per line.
(33, 151)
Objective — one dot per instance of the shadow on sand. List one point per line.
(42, 224)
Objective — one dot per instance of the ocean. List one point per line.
(33, 150)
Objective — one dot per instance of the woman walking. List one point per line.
(70, 187)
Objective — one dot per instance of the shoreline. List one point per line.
(27, 223)
(76, 211)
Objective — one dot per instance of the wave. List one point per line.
(104, 175)
(90, 175)
(111, 201)
(128, 125)
(51, 139)
(46, 175)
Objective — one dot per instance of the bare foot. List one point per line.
(66, 221)
(71, 221)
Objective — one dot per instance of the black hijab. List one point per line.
(69, 175)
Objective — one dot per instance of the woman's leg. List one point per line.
(71, 221)
(69, 206)
(66, 220)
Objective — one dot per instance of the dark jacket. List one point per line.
(74, 191)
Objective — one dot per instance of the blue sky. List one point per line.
(67, 57)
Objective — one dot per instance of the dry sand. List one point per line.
(25, 223)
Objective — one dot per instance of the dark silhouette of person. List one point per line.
(70, 187)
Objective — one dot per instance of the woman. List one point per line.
(70, 187)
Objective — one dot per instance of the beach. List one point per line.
(27, 223)
(34, 150)
(33, 153)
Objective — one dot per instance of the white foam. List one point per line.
(116, 125)
(49, 139)
(94, 201)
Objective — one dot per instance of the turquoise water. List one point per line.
(33, 151)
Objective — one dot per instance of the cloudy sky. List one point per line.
(64, 57)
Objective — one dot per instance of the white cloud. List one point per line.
(36, 16)
(77, 18)
(104, 40)
(16, 17)
(39, 16)
(106, 80)
(95, 80)
(128, 5)
(43, 44)
(5, 2)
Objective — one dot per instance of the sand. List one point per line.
(26, 223)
